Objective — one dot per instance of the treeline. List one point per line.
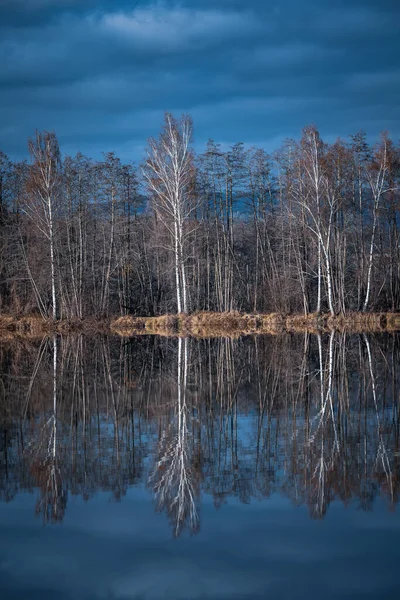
(313, 227)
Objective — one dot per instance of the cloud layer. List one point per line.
(101, 74)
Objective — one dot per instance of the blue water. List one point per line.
(271, 532)
(270, 549)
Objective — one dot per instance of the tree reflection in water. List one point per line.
(45, 463)
(313, 418)
(173, 473)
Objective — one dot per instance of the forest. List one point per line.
(310, 228)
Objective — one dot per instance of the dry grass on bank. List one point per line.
(235, 324)
(27, 327)
(232, 324)
(359, 322)
(34, 327)
(201, 325)
(392, 321)
(312, 323)
(354, 322)
(127, 325)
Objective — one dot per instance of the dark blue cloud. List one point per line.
(101, 74)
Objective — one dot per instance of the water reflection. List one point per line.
(314, 418)
(45, 464)
(174, 473)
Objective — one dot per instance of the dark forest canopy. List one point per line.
(312, 227)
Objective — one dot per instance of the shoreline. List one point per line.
(200, 325)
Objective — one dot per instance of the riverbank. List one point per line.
(32, 327)
(235, 324)
(201, 325)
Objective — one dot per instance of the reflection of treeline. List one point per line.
(313, 227)
(314, 418)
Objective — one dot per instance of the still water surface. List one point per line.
(150, 467)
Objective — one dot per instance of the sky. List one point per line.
(101, 74)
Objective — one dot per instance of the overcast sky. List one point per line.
(101, 73)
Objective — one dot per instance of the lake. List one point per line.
(151, 467)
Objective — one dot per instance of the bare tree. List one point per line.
(377, 179)
(318, 200)
(168, 172)
(43, 196)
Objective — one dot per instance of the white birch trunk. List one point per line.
(319, 277)
(52, 261)
(177, 276)
(370, 260)
(54, 397)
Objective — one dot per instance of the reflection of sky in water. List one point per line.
(125, 550)
(257, 454)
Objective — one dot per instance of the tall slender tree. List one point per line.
(169, 173)
(43, 196)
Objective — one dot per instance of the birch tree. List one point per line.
(168, 172)
(43, 196)
(319, 201)
(378, 181)
(312, 148)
